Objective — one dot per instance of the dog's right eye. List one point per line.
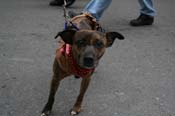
(80, 43)
(99, 44)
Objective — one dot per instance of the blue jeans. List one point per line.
(97, 7)
(147, 7)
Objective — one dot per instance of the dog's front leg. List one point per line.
(77, 106)
(57, 77)
(48, 107)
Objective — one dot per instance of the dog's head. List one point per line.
(88, 46)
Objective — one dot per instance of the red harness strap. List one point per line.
(75, 68)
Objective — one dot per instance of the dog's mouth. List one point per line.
(88, 67)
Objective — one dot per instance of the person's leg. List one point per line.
(147, 7)
(97, 7)
(147, 13)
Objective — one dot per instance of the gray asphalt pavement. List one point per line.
(136, 76)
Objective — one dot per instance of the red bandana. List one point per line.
(75, 68)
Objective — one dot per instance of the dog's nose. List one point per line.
(88, 62)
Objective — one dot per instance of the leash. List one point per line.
(68, 22)
(65, 11)
(67, 18)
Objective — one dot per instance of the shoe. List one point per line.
(142, 20)
(73, 14)
(70, 2)
(61, 2)
(56, 3)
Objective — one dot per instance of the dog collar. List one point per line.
(75, 68)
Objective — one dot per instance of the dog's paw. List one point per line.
(46, 113)
(43, 114)
(74, 112)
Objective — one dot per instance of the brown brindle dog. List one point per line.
(79, 54)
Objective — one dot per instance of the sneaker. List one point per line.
(56, 3)
(142, 20)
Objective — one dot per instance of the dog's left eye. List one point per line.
(99, 44)
(80, 43)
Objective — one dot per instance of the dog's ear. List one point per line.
(111, 36)
(67, 36)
